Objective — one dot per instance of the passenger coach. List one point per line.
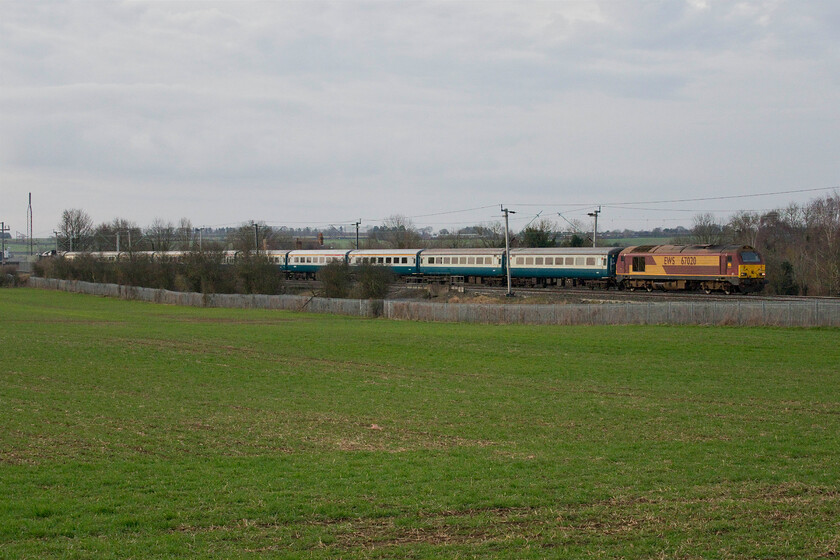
(559, 266)
(475, 265)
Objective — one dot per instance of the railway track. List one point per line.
(622, 296)
(568, 295)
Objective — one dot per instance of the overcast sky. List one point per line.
(308, 113)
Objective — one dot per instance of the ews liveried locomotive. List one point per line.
(726, 268)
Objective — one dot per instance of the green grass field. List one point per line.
(133, 430)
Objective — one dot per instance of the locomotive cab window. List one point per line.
(638, 264)
(749, 257)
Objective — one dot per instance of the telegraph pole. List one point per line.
(3, 230)
(507, 249)
(595, 231)
(357, 224)
(256, 240)
(29, 221)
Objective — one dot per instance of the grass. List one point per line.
(145, 431)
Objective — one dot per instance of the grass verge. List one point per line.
(147, 431)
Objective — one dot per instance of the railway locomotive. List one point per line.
(718, 268)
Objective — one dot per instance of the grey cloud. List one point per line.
(416, 106)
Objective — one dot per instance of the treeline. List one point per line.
(77, 232)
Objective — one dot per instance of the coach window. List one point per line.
(570, 261)
(471, 260)
(529, 260)
(463, 260)
(590, 261)
(387, 260)
(479, 260)
(538, 260)
(579, 261)
(549, 261)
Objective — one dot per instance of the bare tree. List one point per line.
(822, 218)
(161, 235)
(184, 234)
(76, 227)
(491, 234)
(128, 233)
(707, 230)
(744, 228)
(256, 235)
(398, 232)
(539, 233)
(104, 238)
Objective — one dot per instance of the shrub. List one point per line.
(335, 280)
(255, 274)
(372, 281)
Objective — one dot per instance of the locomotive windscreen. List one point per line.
(750, 257)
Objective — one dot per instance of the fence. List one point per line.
(744, 313)
(814, 313)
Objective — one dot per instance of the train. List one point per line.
(710, 268)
